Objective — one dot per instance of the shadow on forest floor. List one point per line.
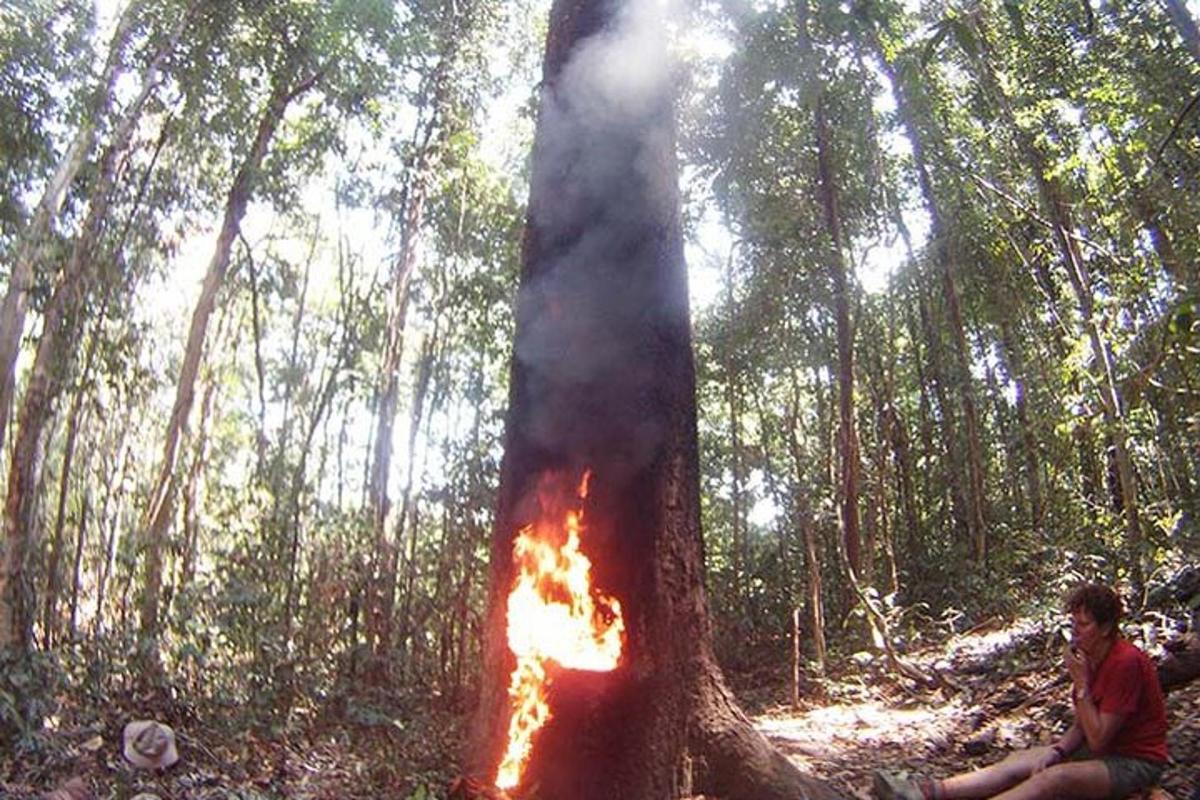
(1004, 690)
(1009, 693)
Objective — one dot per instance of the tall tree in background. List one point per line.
(1177, 10)
(55, 358)
(1057, 203)
(32, 248)
(926, 139)
(603, 380)
(849, 461)
(451, 26)
(305, 46)
(287, 84)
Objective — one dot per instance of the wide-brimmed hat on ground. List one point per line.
(150, 744)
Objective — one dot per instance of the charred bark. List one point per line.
(603, 379)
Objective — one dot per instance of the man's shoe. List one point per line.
(894, 786)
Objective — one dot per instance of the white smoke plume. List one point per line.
(597, 304)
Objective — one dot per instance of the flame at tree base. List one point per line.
(554, 615)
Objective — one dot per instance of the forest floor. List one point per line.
(1002, 690)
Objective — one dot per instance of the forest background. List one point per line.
(260, 259)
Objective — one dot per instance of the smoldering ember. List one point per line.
(592, 399)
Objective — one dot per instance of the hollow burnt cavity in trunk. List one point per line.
(603, 380)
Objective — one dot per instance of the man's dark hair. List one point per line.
(1098, 600)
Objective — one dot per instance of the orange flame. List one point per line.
(554, 615)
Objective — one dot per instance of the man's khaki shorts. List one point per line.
(1128, 775)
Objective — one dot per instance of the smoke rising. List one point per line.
(603, 290)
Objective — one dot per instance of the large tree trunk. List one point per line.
(160, 509)
(603, 379)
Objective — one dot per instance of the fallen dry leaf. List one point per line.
(74, 789)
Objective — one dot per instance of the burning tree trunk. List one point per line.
(603, 384)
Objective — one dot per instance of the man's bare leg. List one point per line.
(994, 779)
(1013, 779)
(1080, 780)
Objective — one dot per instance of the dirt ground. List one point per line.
(1008, 693)
(1002, 688)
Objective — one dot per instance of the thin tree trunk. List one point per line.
(413, 212)
(31, 249)
(53, 364)
(1182, 19)
(795, 658)
(847, 437)
(110, 541)
(287, 500)
(191, 492)
(945, 421)
(77, 570)
(1012, 487)
(771, 476)
(939, 235)
(49, 613)
(1029, 448)
(1057, 205)
(1089, 469)
(160, 509)
(882, 401)
(260, 440)
(924, 401)
(1152, 221)
(803, 516)
(733, 406)
(407, 522)
(349, 311)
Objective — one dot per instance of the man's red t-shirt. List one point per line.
(1127, 683)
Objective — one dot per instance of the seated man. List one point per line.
(1116, 745)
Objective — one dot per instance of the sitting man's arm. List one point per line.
(1070, 740)
(1098, 727)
